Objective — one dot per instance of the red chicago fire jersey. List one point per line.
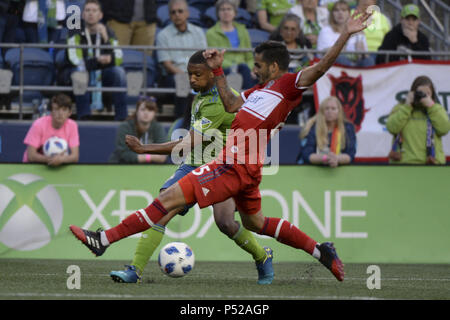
(264, 111)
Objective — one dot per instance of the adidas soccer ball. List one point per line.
(176, 259)
(54, 146)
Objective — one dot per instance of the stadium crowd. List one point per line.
(194, 24)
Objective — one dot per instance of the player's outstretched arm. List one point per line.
(356, 23)
(186, 143)
(231, 102)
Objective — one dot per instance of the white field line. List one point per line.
(180, 296)
(243, 277)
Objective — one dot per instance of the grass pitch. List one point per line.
(48, 279)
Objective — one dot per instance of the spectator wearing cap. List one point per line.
(405, 37)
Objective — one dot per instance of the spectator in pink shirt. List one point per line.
(56, 124)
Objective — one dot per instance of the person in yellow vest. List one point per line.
(380, 25)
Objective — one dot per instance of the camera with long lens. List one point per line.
(418, 95)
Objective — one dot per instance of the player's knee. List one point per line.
(253, 222)
(228, 227)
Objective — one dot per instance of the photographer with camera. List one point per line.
(418, 123)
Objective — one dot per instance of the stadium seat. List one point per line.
(243, 16)
(161, 2)
(195, 16)
(162, 14)
(133, 62)
(258, 36)
(38, 69)
(60, 58)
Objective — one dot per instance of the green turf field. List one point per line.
(48, 279)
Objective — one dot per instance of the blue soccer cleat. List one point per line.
(129, 275)
(265, 269)
(330, 259)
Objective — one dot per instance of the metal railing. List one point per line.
(444, 55)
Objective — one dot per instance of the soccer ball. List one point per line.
(54, 146)
(176, 259)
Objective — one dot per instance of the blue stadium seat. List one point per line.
(60, 58)
(195, 16)
(258, 36)
(243, 16)
(133, 61)
(38, 69)
(162, 14)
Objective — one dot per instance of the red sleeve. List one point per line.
(288, 86)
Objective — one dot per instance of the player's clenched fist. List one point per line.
(214, 58)
(134, 144)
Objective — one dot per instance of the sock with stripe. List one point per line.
(286, 233)
(245, 240)
(137, 222)
(147, 244)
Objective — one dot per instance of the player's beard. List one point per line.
(263, 76)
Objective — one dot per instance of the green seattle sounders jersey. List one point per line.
(211, 121)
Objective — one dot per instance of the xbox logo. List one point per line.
(31, 212)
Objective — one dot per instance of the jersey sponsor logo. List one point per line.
(261, 103)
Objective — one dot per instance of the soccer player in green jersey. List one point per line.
(207, 135)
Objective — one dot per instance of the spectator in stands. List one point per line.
(380, 25)
(56, 124)
(418, 124)
(179, 33)
(291, 35)
(339, 14)
(331, 139)
(103, 65)
(269, 13)
(227, 33)
(133, 22)
(52, 13)
(11, 12)
(141, 124)
(313, 18)
(405, 37)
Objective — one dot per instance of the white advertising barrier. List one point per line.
(368, 96)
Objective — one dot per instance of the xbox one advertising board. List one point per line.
(379, 214)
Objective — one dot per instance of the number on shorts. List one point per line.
(200, 170)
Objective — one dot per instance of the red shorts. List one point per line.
(213, 183)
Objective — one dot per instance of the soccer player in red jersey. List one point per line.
(236, 172)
